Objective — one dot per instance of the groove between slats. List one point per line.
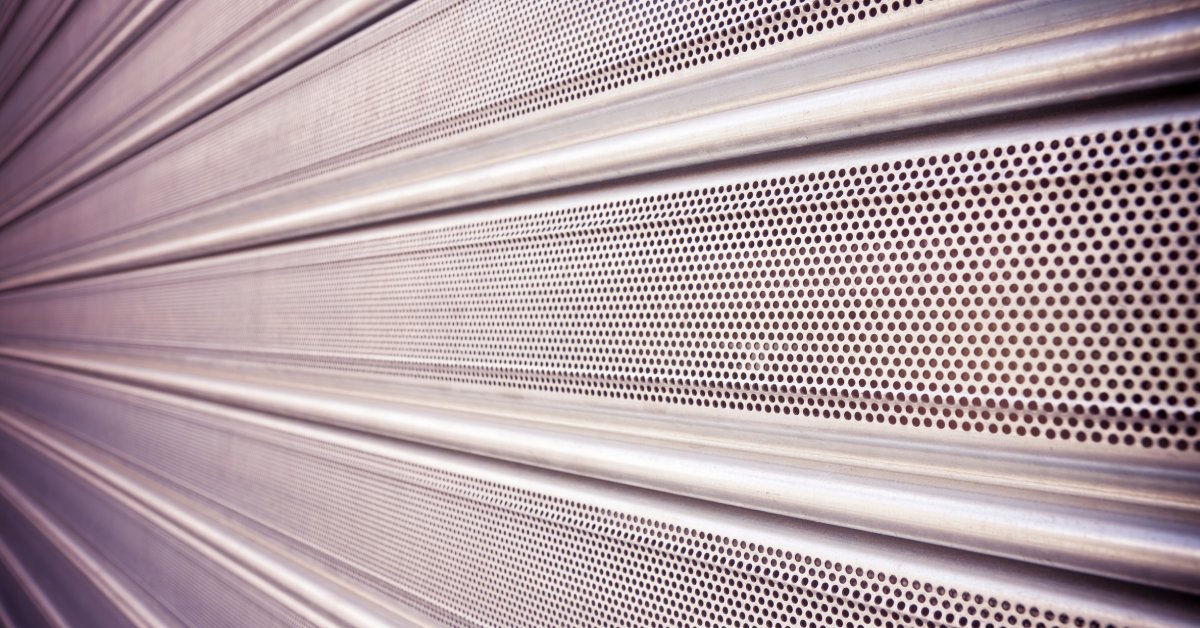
(582, 536)
(1157, 547)
(829, 313)
(1128, 54)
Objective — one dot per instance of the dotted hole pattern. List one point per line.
(1041, 290)
(427, 73)
(446, 542)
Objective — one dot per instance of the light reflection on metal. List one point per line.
(569, 313)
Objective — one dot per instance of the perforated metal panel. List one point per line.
(619, 313)
(443, 533)
(345, 108)
(1040, 290)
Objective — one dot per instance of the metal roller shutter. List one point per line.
(620, 313)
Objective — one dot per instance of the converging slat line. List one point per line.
(569, 313)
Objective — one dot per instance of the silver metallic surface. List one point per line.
(28, 28)
(439, 174)
(530, 312)
(260, 39)
(90, 38)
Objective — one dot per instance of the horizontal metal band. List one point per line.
(546, 312)
(99, 574)
(93, 36)
(256, 566)
(24, 584)
(267, 44)
(1137, 47)
(894, 293)
(1101, 537)
(278, 454)
(31, 26)
(8, 11)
